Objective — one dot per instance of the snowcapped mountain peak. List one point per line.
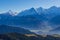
(30, 11)
(12, 13)
(40, 10)
(53, 7)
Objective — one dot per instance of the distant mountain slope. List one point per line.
(55, 31)
(9, 29)
(55, 20)
(50, 12)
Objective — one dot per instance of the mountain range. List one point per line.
(33, 19)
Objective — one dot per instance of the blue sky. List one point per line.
(19, 5)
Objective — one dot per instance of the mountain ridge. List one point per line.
(31, 18)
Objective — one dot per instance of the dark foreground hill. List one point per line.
(18, 36)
